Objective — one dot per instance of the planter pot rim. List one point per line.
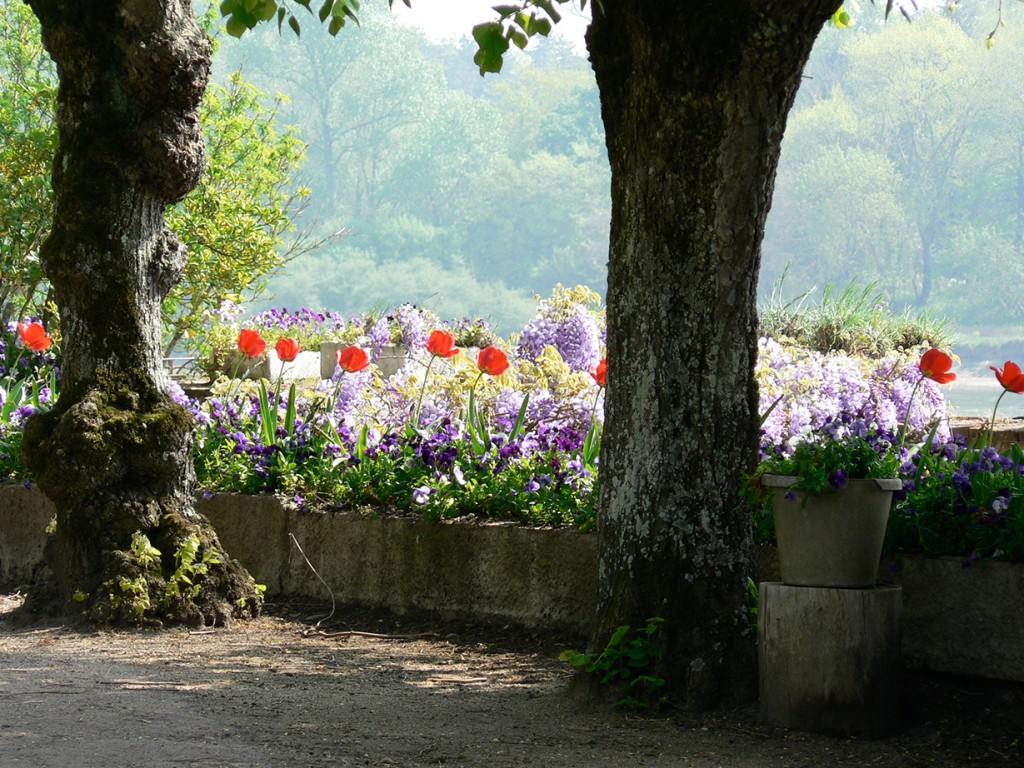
(787, 481)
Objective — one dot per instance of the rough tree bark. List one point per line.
(113, 454)
(694, 97)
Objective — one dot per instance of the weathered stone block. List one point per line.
(829, 659)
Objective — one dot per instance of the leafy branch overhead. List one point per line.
(516, 23)
(243, 15)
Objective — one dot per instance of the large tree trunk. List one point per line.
(694, 97)
(113, 455)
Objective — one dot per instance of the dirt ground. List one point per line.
(270, 694)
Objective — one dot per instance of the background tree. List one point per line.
(113, 454)
(901, 164)
(236, 224)
(26, 152)
(239, 222)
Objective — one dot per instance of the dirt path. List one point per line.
(261, 694)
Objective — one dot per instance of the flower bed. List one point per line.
(450, 435)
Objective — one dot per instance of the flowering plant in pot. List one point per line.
(831, 490)
(830, 494)
(825, 460)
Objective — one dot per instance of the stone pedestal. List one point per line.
(829, 659)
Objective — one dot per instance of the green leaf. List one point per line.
(541, 27)
(490, 38)
(507, 10)
(337, 22)
(618, 635)
(236, 26)
(520, 418)
(294, 24)
(325, 10)
(550, 10)
(265, 11)
(518, 38)
(289, 419)
(361, 442)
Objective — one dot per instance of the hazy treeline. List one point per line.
(462, 194)
(903, 163)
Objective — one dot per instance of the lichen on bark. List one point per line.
(113, 454)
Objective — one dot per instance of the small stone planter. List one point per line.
(391, 360)
(237, 365)
(268, 366)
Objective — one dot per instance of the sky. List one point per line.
(447, 19)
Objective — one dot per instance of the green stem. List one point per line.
(992, 424)
(280, 378)
(423, 389)
(471, 424)
(906, 416)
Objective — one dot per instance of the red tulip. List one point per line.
(34, 336)
(251, 343)
(492, 361)
(352, 359)
(600, 372)
(442, 344)
(1010, 377)
(287, 349)
(935, 365)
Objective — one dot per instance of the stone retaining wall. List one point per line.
(967, 621)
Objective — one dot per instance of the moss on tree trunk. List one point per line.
(113, 454)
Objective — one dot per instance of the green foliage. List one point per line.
(325, 467)
(753, 599)
(966, 501)
(623, 663)
(516, 24)
(234, 223)
(191, 564)
(856, 320)
(26, 153)
(822, 462)
(144, 552)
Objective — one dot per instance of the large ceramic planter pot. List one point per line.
(831, 540)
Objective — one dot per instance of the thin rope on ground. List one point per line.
(330, 591)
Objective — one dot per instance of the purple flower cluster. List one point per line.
(412, 324)
(379, 337)
(569, 327)
(276, 322)
(802, 390)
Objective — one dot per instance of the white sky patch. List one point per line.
(442, 20)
